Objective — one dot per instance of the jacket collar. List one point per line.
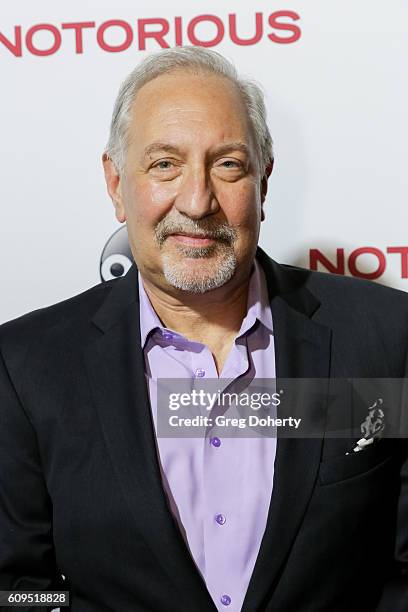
(284, 281)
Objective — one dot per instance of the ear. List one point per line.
(113, 185)
(264, 185)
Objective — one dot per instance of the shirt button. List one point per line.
(220, 518)
(199, 373)
(215, 442)
(167, 335)
(226, 600)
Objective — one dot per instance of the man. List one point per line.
(138, 522)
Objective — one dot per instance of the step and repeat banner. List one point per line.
(335, 79)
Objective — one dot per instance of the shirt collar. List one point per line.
(258, 306)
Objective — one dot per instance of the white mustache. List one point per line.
(204, 228)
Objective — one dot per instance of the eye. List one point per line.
(164, 164)
(229, 163)
(230, 169)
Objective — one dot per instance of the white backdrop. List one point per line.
(337, 94)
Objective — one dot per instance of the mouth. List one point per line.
(191, 239)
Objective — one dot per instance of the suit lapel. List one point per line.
(302, 349)
(115, 369)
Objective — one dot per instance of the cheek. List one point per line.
(242, 206)
(162, 195)
(147, 202)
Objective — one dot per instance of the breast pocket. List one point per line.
(354, 465)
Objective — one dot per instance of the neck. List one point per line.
(207, 318)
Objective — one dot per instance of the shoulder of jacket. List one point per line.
(346, 287)
(68, 315)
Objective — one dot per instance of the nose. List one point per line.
(196, 197)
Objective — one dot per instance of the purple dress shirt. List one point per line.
(219, 488)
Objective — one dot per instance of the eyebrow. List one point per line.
(160, 146)
(232, 146)
(219, 150)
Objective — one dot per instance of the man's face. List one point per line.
(192, 189)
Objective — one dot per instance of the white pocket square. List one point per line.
(372, 427)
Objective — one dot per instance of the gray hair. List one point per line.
(189, 58)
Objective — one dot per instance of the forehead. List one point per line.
(185, 105)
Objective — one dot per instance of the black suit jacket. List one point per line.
(80, 486)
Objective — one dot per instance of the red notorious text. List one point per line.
(339, 265)
(279, 27)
